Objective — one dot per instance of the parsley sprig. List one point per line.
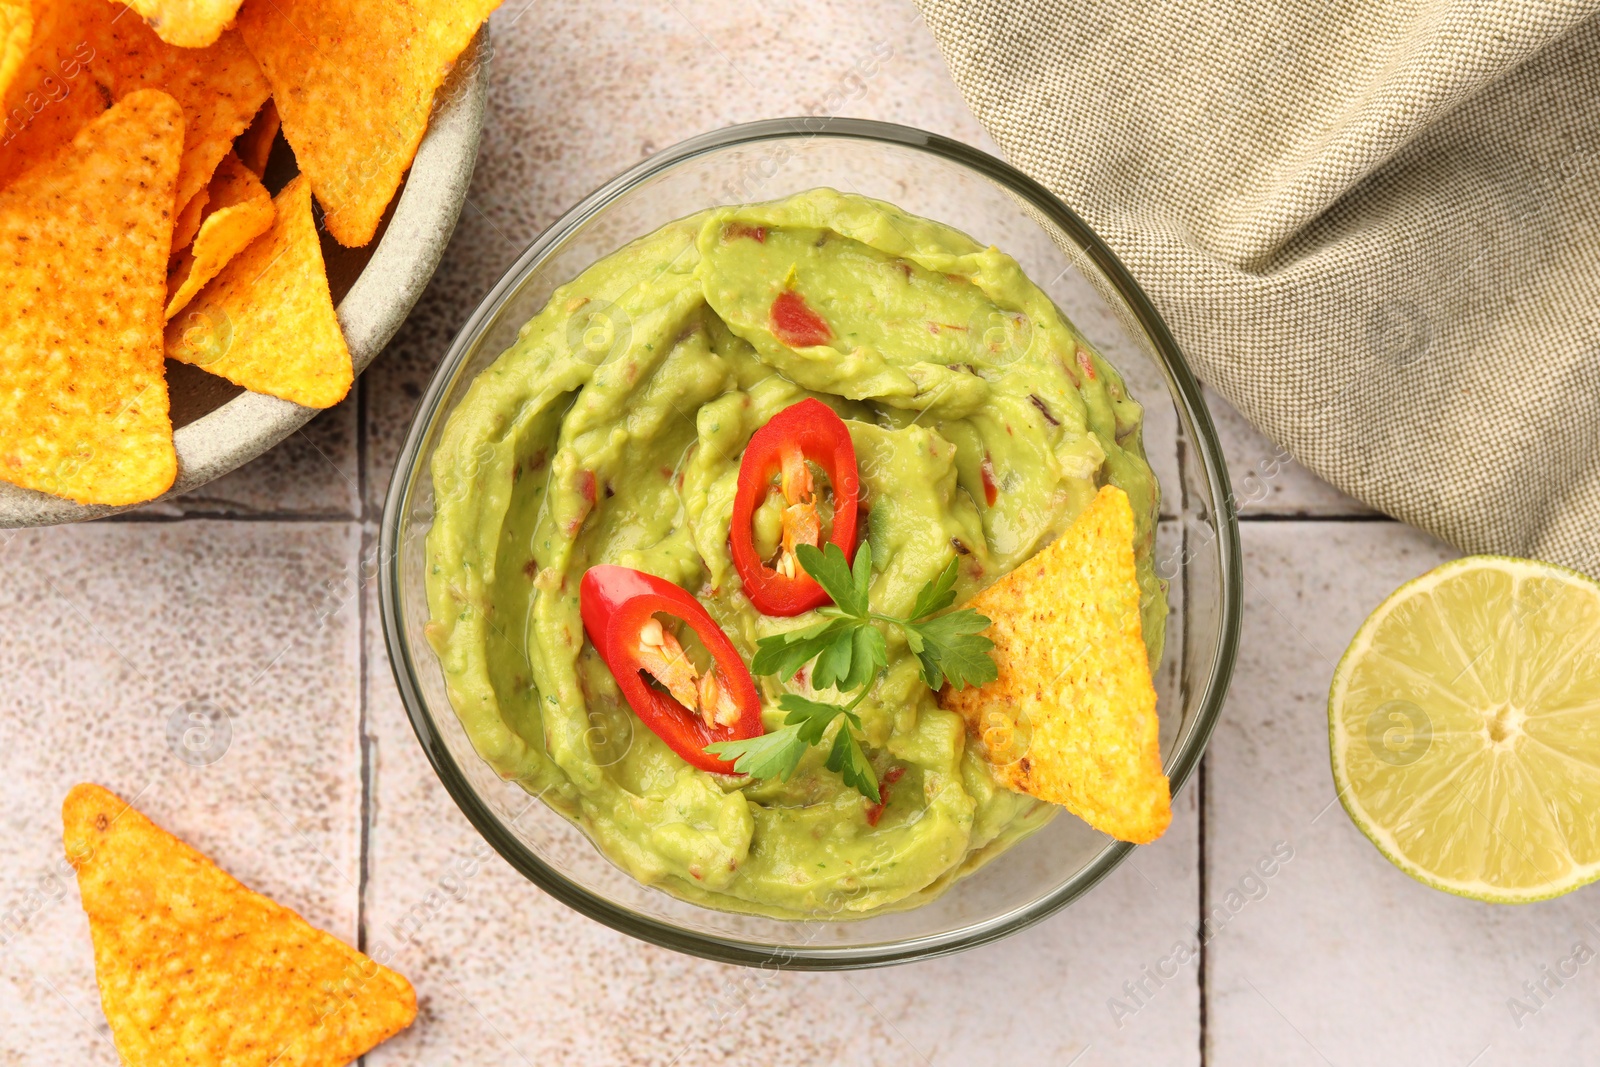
(777, 753)
(849, 650)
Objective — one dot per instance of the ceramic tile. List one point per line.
(1266, 479)
(505, 973)
(313, 472)
(579, 94)
(1339, 957)
(116, 633)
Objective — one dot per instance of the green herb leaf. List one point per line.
(834, 662)
(849, 650)
(810, 718)
(850, 713)
(862, 573)
(913, 638)
(784, 654)
(850, 761)
(829, 568)
(937, 594)
(953, 647)
(771, 755)
(871, 656)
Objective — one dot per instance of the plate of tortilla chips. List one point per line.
(213, 215)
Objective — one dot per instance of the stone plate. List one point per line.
(218, 427)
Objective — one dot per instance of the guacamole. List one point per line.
(611, 432)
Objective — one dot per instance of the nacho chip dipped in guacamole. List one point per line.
(732, 405)
(83, 254)
(1072, 717)
(194, 968)
(266, 321)
(354, 82)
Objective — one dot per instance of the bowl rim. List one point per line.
(1205, 446)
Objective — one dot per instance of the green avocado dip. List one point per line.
(611, 432)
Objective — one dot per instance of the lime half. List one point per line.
(1464, 724)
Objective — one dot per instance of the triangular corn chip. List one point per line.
(54, 93)
(254, 146)
(221, 87)
(83, 266)
(86, 56)
(267, 322)
(234, 184)
(188, 223)
(354, 82)
(16, 31)
(1072, 717)
(240, 210)
(187, 23)
(196, 969)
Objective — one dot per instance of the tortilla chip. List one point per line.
(87, 57)
(220, 87)
(241, 210)
(188, 223)
(187, 23)
(254, 146)
(196, 969)
(83, 265)
(16, 31)
(354, 81)
(1072, 717)
(53, 93)
(266, 322)
(234, 184)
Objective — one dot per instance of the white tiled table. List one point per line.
(246, 595)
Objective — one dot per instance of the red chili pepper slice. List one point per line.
(991, 492)
(795, 324)
(619, 606)
(811, 431)
(736, 230)
(875, 811)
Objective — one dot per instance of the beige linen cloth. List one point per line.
(1375, 227)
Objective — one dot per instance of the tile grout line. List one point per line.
(1201, 971)
(1281, 517)
(364, 760)
(362, 477)
(1181, 446)
(137, 518)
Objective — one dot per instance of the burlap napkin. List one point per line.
(1375, 226)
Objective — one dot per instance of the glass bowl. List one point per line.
(1197, 544)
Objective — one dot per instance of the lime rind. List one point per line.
(1551, 823)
